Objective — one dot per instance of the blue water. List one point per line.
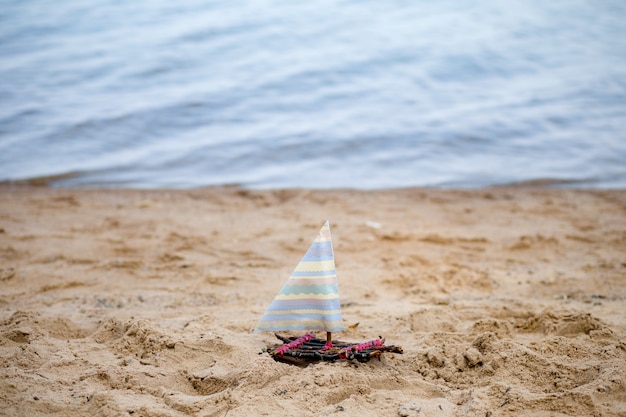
(324, 94)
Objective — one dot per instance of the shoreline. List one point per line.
(60, 181)
(506, 299)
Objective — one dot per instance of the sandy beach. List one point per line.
(507, 301)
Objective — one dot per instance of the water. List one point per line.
(324, 94)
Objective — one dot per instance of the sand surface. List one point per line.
(507, 301)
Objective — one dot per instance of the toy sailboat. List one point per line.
(309, 301)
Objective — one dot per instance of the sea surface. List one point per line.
(324, 94)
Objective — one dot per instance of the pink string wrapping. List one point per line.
(299, 341)
(361, 346)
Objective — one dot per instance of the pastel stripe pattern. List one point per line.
(309, 300)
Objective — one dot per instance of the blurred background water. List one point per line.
(325, 94)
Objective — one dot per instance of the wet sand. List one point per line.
(507, 301)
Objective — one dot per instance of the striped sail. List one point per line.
(309, 300)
